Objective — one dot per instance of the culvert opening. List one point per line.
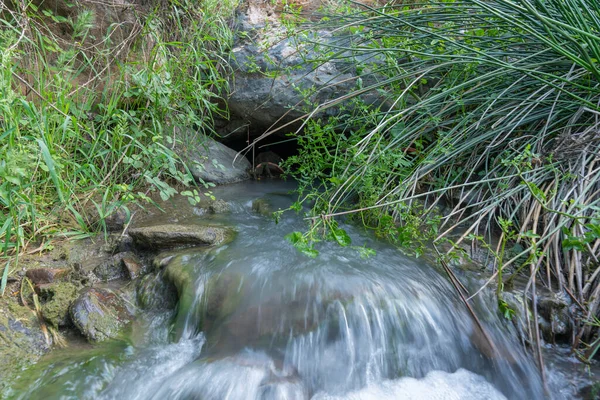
(267, 154)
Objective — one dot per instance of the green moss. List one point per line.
(21, 341)
(56, 310)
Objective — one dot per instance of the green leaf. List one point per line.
(4, 279)
(341, 237)
(308, 251)
(294, 237)
(51, 168)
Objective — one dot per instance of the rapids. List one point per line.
(256, 319)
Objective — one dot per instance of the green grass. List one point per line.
(87, 122)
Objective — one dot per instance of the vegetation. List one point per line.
(492, 115)
(89, 110)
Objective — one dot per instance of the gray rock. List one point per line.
(168, 236)
(133, 266)
(219, 207)
(280, 78)
(99, 314)
(156, 293)
(111, 269)
(211, 161)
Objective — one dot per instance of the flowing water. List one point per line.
(258, 320)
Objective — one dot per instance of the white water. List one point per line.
(259, 320)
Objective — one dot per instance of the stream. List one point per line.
(256, 319)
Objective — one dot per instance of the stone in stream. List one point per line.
(219, 207)
(169, 236)
(99, 314)
(262, 206)
(133, 266)
(156, 293)
(124, 265)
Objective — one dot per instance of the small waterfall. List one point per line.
(258, 320)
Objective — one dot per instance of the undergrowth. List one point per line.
(492, 120)
(89, 112)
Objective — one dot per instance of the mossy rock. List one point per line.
(172, 235)
(154, 292)
(21, 341)
(220, 207)
(59, 297)
(262, 207)
(99, 314)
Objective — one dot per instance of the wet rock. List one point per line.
(211, 161)
(162, 260)
(166, 236)
(262, 207)
(99, 314)
(46, 275)
(133, 265)
(223, 294)
(111, 269)
(22, 341)
(590, 392)
(554, 313)
(219, 207)
(156, 293)
(57, 299)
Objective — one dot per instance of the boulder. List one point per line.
(99, 314)
(169, 236)
(281, 77)
(211, 161)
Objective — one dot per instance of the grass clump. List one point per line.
(89, 106)
(493, 114)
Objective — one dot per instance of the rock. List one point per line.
(133, 265)
(262, 207)
(57, 299)
(21, 341)
(99, 314)
(111, 269)
(590, 392)
(211, 161)
(219, 207)
(168, 236)
(280, 77)
(554, 313)
(154, 292)
(46, 275)
(114, 220)
(162, 260)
